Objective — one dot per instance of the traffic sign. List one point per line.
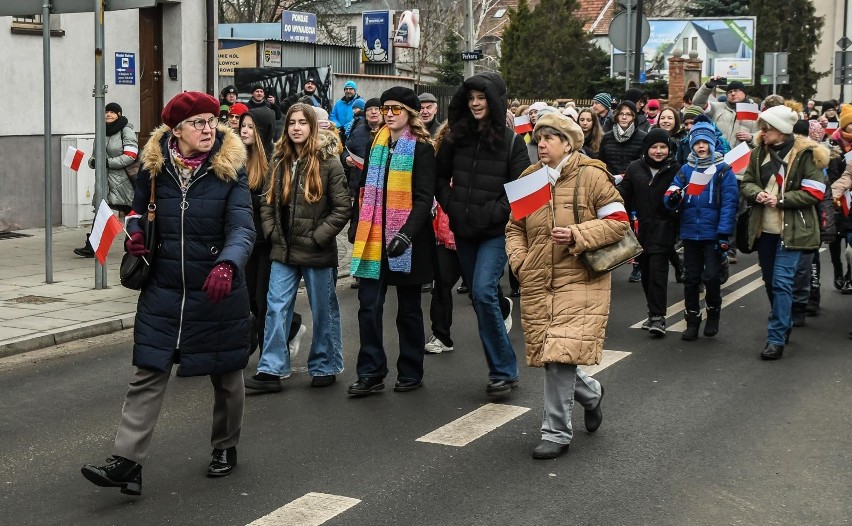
(769, 63)
(472, 55)
(844, 43)
(842, 67)
(623, 37)
(780, 79)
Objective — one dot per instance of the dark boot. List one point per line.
(86, 250)
(119, 472)
(799, 313)
(711, 328)
(693, 322)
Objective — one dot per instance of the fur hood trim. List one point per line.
(228, 154)
(329, 144)
(821, 154)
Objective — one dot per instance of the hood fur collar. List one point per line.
(329, 144)
(800, 144)
(227, 157)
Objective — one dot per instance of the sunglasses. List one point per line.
(396, 109)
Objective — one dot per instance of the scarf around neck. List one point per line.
(116, 126)
(702, 163)
(775, 159)
(186, 166)
(392, 179)
(623, 135)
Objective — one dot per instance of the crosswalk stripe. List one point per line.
(464, 430)
(311, 509)
(726, 300)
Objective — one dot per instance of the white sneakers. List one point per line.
(294, 344)
(508, 319)
(436, 346)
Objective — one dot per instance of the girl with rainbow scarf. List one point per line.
(394, 241)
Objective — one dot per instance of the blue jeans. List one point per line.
(778, 267)
(482, 263)
(326, 355)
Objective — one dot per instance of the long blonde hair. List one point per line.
(415, 123)
(257, 164)
(286, 154)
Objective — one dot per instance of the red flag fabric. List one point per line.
(106, 227)
(73, 158)
(528, 194)
(747, 111)
(738, 157)
(523, 124)
(698, 180)
(359, 161)
(846, 202)
(815, 188)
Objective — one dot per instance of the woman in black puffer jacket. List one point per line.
(623, 144)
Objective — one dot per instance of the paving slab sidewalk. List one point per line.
(34, 314)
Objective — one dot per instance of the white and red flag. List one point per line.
(73, 158)
(738, 157)
(831, 126)
(528, 194)
(779, 178)
(747, 111)
(106, 227)
(815, 188)
(523, 124)
(846, 202)
(359, 161)
(699, 180)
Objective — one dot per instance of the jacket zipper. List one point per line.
(472, 172)
(292, 215)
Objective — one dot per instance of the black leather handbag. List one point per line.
(135, 270)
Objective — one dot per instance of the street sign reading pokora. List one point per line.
(476, 54)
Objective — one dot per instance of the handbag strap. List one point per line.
(577, 197)
(152, 205)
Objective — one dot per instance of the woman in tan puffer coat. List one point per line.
(564, 306)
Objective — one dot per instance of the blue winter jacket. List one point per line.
(341, 114)
(208, 224)
(711, 215)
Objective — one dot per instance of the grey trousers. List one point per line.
(562, 385)
(144, 400)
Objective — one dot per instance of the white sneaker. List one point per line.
(294, 344)
(508, 319)
(436, 346)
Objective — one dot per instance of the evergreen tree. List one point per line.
(795, 30)
(726, 8)
(450, 72)
(548, 54)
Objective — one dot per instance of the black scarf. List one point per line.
(116, 127)
(777, 153)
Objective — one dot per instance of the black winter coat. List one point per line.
(643, 193)
(617, 155)
(210, 224)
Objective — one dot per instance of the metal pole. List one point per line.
(470, 41)
(774, 72)
(637, 57)
(48, 150)
(845, 20)
(100, 126)
(627, 52)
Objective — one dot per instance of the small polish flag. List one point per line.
(738, 158)
(814, 188)
(846, 202)
(359, 161)
(73, 158)
(747, 111)
(529, 193)
(523, 124)
(699, 180)
(106, 227)
(779, 178)
(831, 126)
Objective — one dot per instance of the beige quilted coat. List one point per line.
(564, 307)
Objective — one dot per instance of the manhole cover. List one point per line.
(13, 235)
(34, 300)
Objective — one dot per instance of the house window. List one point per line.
(32, 25)
(499, 13)
(694, 43)
(353, 35)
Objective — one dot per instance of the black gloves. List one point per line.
(398, 245)
(675, 197)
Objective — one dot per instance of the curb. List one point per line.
(65, 335)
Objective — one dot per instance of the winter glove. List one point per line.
(398, 245)
(218, 282)
(675, 197)
(135, 244)
(723, 244)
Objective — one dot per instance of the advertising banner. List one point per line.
(376, 45)
(236, 54)
(408, 30)
(271, 55)
(125, 68)
(298, 27)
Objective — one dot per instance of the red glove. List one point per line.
(218, 282)
(135, 244)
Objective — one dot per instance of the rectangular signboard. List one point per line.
(376, 45)
(298, 27)
(236, 54)
(125, 68)
(271, 55)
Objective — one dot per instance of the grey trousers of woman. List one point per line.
(563, 384)
(144, 400)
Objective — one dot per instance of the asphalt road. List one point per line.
(694, 433)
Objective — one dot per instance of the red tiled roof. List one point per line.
(588, 10)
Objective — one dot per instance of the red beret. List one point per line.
(187, 104)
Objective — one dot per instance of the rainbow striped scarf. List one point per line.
(367, 251)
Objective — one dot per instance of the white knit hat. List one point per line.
(781, 118)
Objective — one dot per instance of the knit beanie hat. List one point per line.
(538, 106)
(113, 107)
(375, 102)
(321, 114)
(564, 125)
(238, 108)
(653, 104)
(782, 118)
(187, 104)
(703, 131)
(350, 84)
(634, 95)
(654, 136)
(359, 103)
(604, 99)
(691, 112)
(845, 115)
(815, 130)
(630, 105)
(801, 128)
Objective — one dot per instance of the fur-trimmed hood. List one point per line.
(821, 154)
(228, 155)
(329, 144)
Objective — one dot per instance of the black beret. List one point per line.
(372, 103)
(403, 95)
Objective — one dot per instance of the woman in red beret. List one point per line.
(193, 309)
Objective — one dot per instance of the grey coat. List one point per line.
(122, 150)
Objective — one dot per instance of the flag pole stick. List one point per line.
(143, 257)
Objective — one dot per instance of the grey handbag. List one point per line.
(606, 258)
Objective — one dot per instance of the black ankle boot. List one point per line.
(799, 313)
(86, 250)
(711, 328)
(119, 472)
(693, 322)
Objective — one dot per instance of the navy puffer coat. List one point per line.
(175, 320)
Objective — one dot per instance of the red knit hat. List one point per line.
(187, 104)
(238, 108)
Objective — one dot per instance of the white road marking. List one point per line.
(311, 509)
(477, 423)
(726, 300)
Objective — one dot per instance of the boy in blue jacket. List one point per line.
(706, 192)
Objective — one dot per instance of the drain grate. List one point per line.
(35, 300)
(13, 235)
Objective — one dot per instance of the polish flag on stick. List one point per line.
(528, 194)
(747, 111)
(523, 124)
(846, 202)
(106, 227)
(359, 161)
(73, 158)
(738, 158)
(699, 180)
